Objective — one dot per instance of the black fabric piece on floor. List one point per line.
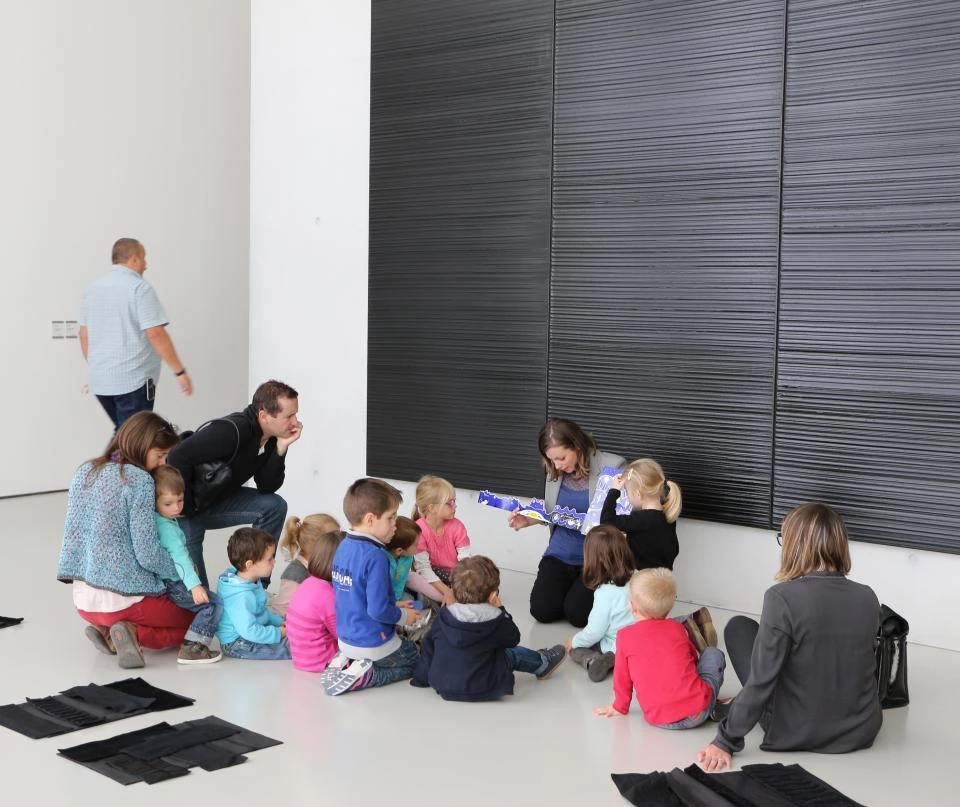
(210, 757)
(10, 621)
(163, 752)
(242, 741)
(110, 699)
(739, 789)
(762, 785)
(56, 708)
(162, 699)
(692, 793)
(183, 737)
(798, 785)
(646, 789)
(31, 724)
(101, 749)
(89, 705)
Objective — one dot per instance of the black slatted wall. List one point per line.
(724, 234)
(868, 388)
(665, 205)
(461, 99)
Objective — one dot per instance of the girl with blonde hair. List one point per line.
(443, 537)
(651, 527)
(298, 540)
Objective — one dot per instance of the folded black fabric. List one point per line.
(798, 785)
(692, 793)
(31, 724)
(162, 699)
(127, 770)
(210, 757)
(101, 749)
(10, 621)
(646, 789)
(242, 741)
(172, 742)
(56, 708)
(110, 699)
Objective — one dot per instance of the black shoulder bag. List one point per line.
(210, 478)
(892, 659)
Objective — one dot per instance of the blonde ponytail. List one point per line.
(672, 502)
(290, 542)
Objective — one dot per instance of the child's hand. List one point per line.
(617, 482)
(199, 595)
(412, 616)
(448, 598)
(404, 603)
(569, 644)
(283, 631)
(714, 758)
(606, 711)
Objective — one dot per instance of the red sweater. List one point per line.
(656, 658)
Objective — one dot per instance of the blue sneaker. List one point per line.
(553, 657)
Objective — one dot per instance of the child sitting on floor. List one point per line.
(472, 650)
(186, 591)
(247, 629)
(607, 568)
(297, 542)
(443, 539)
(311, 617)
(656, 658)
(371, 653)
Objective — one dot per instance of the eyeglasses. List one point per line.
(779, 539)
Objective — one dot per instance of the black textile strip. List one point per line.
(461, 99)
(869, 351)
(665, 234)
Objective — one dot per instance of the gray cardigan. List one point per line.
(813, 672)
(597, 461)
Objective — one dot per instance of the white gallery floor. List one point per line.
(401, 745)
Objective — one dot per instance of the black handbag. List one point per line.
(892, 659)
(211, 478)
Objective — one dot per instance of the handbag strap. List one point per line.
(236, 428)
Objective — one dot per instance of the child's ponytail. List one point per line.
(672, 501)
(290, 542)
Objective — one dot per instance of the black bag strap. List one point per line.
(233, 423)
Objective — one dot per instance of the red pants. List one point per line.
(159, 622)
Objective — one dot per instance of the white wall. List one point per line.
(121, 118)
(309, 316)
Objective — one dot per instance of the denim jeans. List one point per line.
(399, 665)
(710, 668)
(121, 407)
(265, 511)
(241, 648)
(204, 624)
(523, 659)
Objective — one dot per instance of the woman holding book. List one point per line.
(573, 463)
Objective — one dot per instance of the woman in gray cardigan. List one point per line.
(808, 668)
(573, 464)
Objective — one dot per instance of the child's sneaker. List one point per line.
(124, 638)
(599, 667)
(553, 656)
(100, 638)
(693, 631)
(704, 621)
(346, 675)
(196, 653)
(720, 709)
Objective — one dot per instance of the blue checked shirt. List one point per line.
(116, 311)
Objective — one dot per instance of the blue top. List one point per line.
(116, 311)
(566, 545)
(610, 612)
(367, 613)
(175, 542)
(399, 572)
(245, 613)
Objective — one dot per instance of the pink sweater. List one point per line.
(442, 547)
(312, 625)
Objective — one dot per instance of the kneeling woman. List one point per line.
(809, 668)
(110, 549)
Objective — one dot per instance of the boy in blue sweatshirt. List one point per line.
(371, 653)
(247, 629)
